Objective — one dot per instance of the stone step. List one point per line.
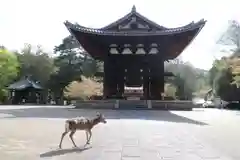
(136, 104)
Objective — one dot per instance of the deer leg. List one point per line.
(90, 135)
(71, 137)
(86, 136)
(63, 135)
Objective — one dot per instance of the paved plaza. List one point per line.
(33, 132)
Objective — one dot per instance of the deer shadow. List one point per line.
(59, 152)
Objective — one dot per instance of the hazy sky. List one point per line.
(41, 21)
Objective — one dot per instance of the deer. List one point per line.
(81, 123)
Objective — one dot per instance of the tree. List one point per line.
(231, 37)
(36, 64)
(222, 84)
(83, 90)
(8, 70)
(202, 84)
(170, 90)
(186, 78)
(90, 66)
(224, 76)
(218, 66)
(8, 67)
(69, 68)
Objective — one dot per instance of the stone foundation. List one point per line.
(136, 104)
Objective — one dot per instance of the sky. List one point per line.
(40, 22)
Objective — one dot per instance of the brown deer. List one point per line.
(81, 123)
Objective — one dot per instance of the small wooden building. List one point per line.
(25, 91)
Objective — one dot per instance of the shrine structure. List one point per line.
(134, 50)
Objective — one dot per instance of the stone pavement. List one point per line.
(34, 133)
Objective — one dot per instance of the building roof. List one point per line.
(24, 84)
(131, 14)
(192, 26)
(158, 29)
(133, 25)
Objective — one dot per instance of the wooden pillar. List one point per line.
(156, 88)
(146, 87)
(106, 85)
(114, 77)
(120, 82)
(146, 75)
(161, 78)
(156, 78)
(111, 82)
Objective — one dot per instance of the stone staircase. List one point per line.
(132, 104)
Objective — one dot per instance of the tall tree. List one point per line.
(36, 64)
(231, 37)
(69, 67)
(90, 66)
(185, 77)
(224, 75)
(223, 86)
(8, 69)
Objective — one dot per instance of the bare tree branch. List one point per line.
(232, 35)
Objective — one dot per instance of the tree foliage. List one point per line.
(224, 78)
(35, 64)
(222, 84)
(170, 90)
(84, 89)
(225, 73)
(231, 37)
(232, 34)
(9, 67)
(69, 67)
(187, 79)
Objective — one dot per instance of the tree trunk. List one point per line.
(59, 96)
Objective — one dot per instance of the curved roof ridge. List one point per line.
(133, 13)
(187, 27)
(201, 21)
(192, 24)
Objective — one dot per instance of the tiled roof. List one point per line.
(23, 84)
(167, 31)
(136, 14)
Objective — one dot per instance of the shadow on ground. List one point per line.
(59, 152)
(60, 112)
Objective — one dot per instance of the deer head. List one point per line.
(101, 118)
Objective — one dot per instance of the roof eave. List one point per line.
(67, 24)
(83, 29)
(200, 28)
